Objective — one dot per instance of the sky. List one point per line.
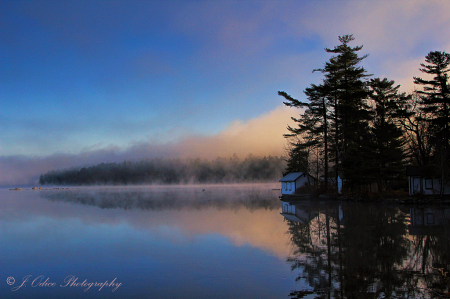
(85, 82)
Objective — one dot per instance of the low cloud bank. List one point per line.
(261, 136)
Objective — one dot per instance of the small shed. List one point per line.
(424, 180)
(294, 181)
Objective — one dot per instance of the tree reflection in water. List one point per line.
(348, 250)
(160, 198)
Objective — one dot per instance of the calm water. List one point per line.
(216, 242)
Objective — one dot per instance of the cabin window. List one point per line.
(428, 183)
(430, 218)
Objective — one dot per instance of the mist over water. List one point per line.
(176, 197)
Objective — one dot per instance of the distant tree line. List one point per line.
(171, 171)
(364, 129)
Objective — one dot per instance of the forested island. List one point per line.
(171, 171)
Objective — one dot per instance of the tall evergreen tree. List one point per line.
(347, 95)
(297, 160)
(319, 106)
(345, 79)
(387, 143)
(436, 92)
(435, 98)
(337, 113)
(313, 124)
(300, 142)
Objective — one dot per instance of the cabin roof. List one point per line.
(290, 177)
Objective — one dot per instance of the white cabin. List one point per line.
(294, 181)
(423, 180)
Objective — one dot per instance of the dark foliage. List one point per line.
(366, 129)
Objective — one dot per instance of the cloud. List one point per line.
(261, 136)
(397, 35)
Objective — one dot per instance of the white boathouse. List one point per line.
(293, 181)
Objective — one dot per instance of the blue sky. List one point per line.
(120, 79)
(82, 73)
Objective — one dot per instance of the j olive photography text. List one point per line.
(69, 281)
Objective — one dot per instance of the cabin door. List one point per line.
(416, 186)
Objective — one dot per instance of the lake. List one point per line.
(216, 241)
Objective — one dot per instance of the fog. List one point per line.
(160, 198)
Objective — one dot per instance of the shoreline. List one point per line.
(410, 200)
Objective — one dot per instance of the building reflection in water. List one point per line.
(348, 250)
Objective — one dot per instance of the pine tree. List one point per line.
(300, 142)
(345, 77)
(312, 129)
(319, 107)
(347, 93)
(436, 92)
(297, 159)
(435, 98)
(337, 114)
(387, 143)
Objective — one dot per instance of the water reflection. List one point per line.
(347, 250)
(250, 197)
(224, 242)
